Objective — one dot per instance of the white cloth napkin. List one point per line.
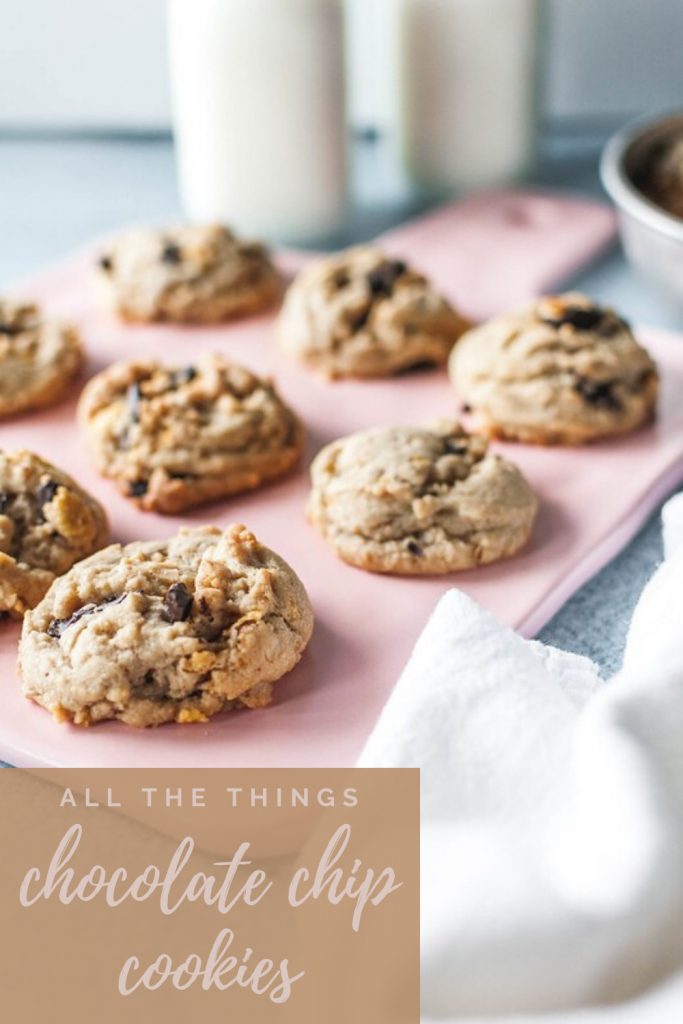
(552, 814)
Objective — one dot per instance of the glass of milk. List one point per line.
(259, 114)
(467, 89)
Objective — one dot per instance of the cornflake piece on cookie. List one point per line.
(172, 438)
(363, 314)
(419, 500)
(560, 371)
(47, 523)
(168, 631)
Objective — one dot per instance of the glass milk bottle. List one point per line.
(467, 72)
(259, 110)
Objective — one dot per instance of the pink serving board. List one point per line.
(486, 253)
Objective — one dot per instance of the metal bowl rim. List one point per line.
(619, 186)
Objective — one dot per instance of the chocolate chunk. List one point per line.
(4, 616)
(613, 325)
(137, 488)
(466, 408)
(106, 264)
(384, 277)
(357, 321)
(181, 377)
(44, 495)
(601, 395)
(415, 549)
(134, 398)
(24, 324)
(178, 603)
(421, 366)
(47, 491)
(579, 317)
(58, 626)
(456, 447)
(172, 254)
(5, 499)
(341, 280)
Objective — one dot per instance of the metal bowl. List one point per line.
(653, 238)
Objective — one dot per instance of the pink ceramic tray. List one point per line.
(486, 254)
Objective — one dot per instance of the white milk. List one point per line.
(260, 114)
(467, 80)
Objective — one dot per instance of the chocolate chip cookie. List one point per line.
(39, 358)
(187, 275)
(47, 523)
(172, 438)
(419, 500)
(167, 631)
(363, 314)
(560, 371)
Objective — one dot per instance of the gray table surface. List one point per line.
(56, 194)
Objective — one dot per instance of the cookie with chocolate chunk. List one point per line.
(47, 523)
(419, 500)
(193, 274)
(174, 437)
(560, 371)
(363, 314)
(169, 631)
(39, 358)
